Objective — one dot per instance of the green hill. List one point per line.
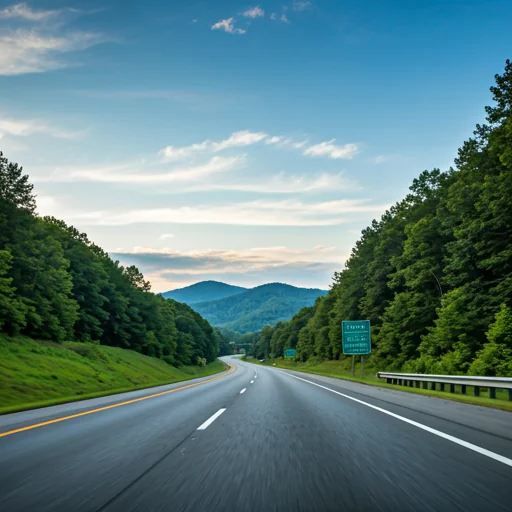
(255, 308)
(203, 292)
(40, 373)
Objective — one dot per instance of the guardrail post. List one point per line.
(452, 388)
(510, 394)
(432, 386)
(463, 389)
(477, 390)
(425, 384)
(389, 381)
(417, 383)
(441, 386)
(492, 392)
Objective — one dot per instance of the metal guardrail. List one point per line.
(423, 380)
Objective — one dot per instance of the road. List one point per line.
(289, 442)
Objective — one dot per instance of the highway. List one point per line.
(258, 439)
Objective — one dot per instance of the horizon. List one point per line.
(246, 288)
(248, 143)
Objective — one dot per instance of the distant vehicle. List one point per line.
(262, 360)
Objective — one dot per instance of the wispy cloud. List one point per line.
(331, 150)
(286, 184)
(380, 159)
(237, 139)
(22, 10)
(167, 268)
(254, 213)
(166, 236)
(36, 50)
(284, 18)
(300, 5)
(248, 138)
(26, 127)
(228, 25)
(255, 12)
(131, 173)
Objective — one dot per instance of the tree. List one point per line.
(14, 185)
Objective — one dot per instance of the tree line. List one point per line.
(55, 284)
(434, 274)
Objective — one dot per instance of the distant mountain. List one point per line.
(253, 309)
(203, 291)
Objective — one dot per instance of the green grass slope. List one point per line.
(37, 374)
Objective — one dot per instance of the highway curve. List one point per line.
(258, 439)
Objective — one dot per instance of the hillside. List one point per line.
(203, 292)
(434, 274)
(57, 285)
(39, 373)
(255, 308)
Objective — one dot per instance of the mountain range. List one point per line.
(203, 292)
(245, 310)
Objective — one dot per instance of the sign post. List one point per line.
(290, 352)
(356, 340)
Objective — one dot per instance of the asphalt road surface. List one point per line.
(258, 439)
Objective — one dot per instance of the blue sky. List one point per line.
(243, 142)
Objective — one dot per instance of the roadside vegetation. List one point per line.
(42, 373)
(433, 275)
(95, 321)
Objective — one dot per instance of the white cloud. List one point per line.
(237, 139)
(380, 159)
(22, 10)
(331, 150)
(28, 51)
(273, 16)
(169, 268)
(131, 173)
(254, 213)
(284, 18)
(240, 139)
(301, 5)
(24, 128)
(166, 236)
(285, 184)
(228, 26)
(273, 140)
(255, 12)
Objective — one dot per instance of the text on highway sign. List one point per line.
(356, 337)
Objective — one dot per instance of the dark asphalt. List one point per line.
(282, 445)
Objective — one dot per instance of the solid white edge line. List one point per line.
(252, 382)
(210, 420)
(243, 390)
(456, 440)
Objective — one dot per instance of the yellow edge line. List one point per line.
(106, 408)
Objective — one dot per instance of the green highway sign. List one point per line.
(356, 337)
(290, 352)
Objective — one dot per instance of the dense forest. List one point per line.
(434, 275)
(55, 284)
(253, 309)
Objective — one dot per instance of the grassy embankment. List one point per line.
(342, 370)
(38, 374)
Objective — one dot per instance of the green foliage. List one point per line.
(434, 274)
(57, 285)
(14, 185)
(37, 373)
